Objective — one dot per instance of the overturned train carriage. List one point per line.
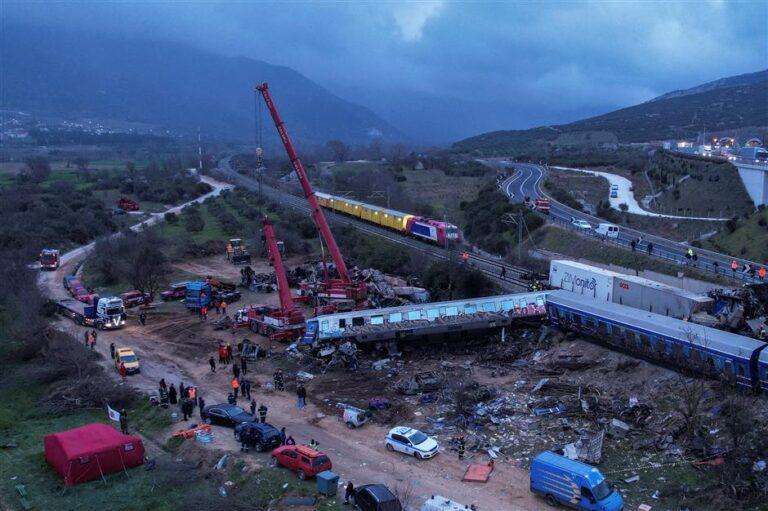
(667, 340)
(458, 318)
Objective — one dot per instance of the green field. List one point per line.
(748, 240)
(171, 486)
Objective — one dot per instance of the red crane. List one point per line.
(350, 289)
(287, 322)
(286, 302)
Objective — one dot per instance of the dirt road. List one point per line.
(176, 346)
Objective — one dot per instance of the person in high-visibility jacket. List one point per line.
(235, 387)
(734, 265)
(761, 273)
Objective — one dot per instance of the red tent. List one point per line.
(91, 451)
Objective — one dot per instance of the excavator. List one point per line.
(284, 323)
(342, 288)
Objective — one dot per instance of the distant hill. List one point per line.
(177, 87)
(722, 83)
(726, 104)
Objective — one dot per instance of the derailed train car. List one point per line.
(663, 339)
(434, 231)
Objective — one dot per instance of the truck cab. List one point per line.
(110, 312)
(571, 483)
(50, 259)
(197, 295)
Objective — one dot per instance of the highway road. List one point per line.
(486, 263)
(526, 181)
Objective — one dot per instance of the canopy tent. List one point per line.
(91, 451)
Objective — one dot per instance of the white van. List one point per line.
(607, 230)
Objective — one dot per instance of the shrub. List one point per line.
(171, 218)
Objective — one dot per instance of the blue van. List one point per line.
(197, 295)
(571, 483)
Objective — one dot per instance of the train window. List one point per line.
(442, 311)
(602, 327)
(451, 311)
(577, 318)
(470, 309)
(710, 364)
(377, 320)
(324, 325)
(395, 317)
(342, 322)
(358, 321)
(539, 301)
(591, 322)
(507, 305)
(489, 307)
(740, 368)
(432, 313)
(728, 367)
(413, 315)
(645, 342)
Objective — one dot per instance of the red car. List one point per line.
(135, 298)
(175, 292)
(82, 295)
(302, 459)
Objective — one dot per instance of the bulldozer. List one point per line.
(237, 252)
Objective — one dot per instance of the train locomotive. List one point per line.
(666, 340)
(434, 231)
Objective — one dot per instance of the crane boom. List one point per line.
(283, 289)
(317, 213)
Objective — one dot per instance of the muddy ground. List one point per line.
(488, 392)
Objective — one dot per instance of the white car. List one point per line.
(581, 224)
(411, 442)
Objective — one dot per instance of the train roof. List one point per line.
(372, 207)
(700, 335)
(418, 306)
(698, 297)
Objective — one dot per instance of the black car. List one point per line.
(260, 436)
(375, 497)
(226, 415)
(228, 296)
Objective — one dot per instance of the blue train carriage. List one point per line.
(670, 341)
(762, 370)
(394, 322)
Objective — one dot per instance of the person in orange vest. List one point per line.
(223, 308)
(734, 265)
(761, 273)
(235, 387)
(192, 393)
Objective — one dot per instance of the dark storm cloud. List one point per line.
(560, 59)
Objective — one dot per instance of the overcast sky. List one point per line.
(562, 59)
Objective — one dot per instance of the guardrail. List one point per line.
(659, 253)
(722, 267)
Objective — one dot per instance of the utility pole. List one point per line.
(516, 219)
(199, 153)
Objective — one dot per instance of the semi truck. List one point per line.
(108, 313)
(50, 259)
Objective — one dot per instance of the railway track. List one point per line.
(489, 266)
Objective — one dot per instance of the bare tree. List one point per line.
(339, 149)
(146, 265)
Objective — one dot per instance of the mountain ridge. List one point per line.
(171, 85)
(737, 103)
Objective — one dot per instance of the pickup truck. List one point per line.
(135, 298)
(175, 292)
